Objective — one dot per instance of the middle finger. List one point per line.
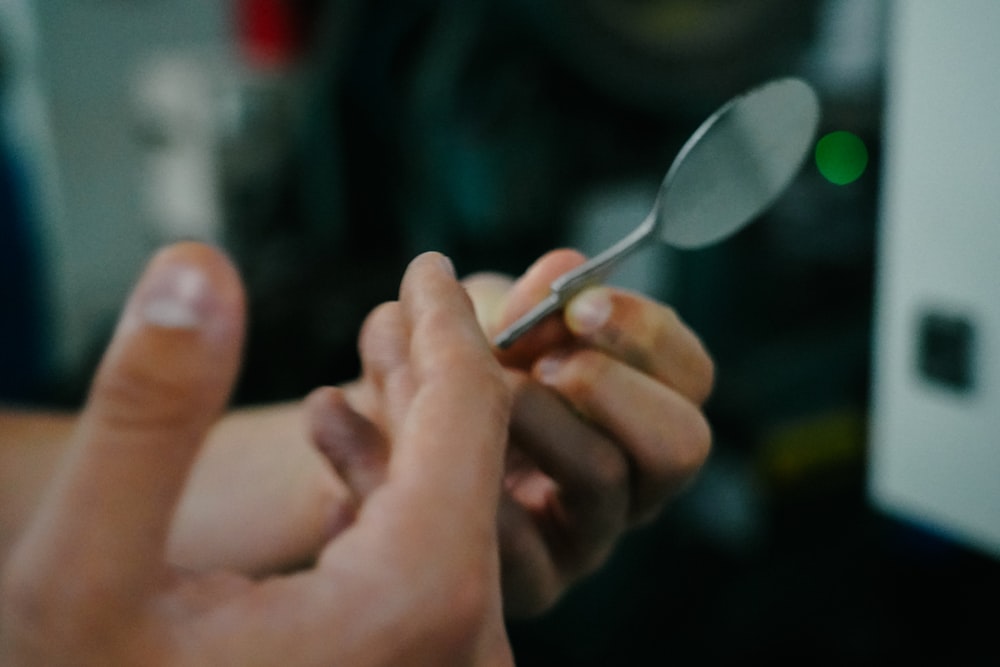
(590, 471)
(663, 433)
(647, 335)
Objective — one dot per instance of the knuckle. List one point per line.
(500, 404)
(137, 395)
(609, 470)
(452, 361)
(470, 598)
(531, 580)
(584, 370)
(495, 383)
(690, 445)
(475, 368)
(677, 455)
(381, 315)
(434, 318)
(663, 336)
(537, 600)
(379, 326)
(671, 318)
(531, 594)
(694, 364)
(456, 610)
(590, 561)
(703, 376)
(319, 402)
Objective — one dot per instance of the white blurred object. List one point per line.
(97, 233)
(935, 443)
(177, 112)
(604, 215)
(24, 119)
(845, 58)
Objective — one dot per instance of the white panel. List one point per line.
(936, 450)
(89, 54)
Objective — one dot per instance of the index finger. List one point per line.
(451, 443)
(425, 539)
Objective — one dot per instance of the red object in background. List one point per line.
(270, 31)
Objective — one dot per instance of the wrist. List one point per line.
(260, 498)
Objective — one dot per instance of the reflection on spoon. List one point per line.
(728, 172)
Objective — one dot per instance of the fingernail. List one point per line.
(547, 368)
(588, 311)
(447, 264)
(174, 297)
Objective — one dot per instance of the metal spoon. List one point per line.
(728, 172)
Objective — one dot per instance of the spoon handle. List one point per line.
(598, 267)
(576, 280)
(550, 304)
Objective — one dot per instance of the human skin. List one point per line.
(606, 428)
(89, 581)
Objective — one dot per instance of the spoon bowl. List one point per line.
(736, 164)
(728, 172)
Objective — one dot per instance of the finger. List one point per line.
(531, 580)
(448, 428)
(665, 435)
(426, 538)
(456, 428)
(349, 441)
(384, 349)
(488, 292)
(530, 289)
(590, 471)
(163, 381)
(644, 334)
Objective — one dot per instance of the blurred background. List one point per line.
(850, 512)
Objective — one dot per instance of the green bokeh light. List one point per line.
(841, 157)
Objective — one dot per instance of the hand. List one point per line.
(413, 580)
(606, 426)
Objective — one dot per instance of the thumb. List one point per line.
(164, 379)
